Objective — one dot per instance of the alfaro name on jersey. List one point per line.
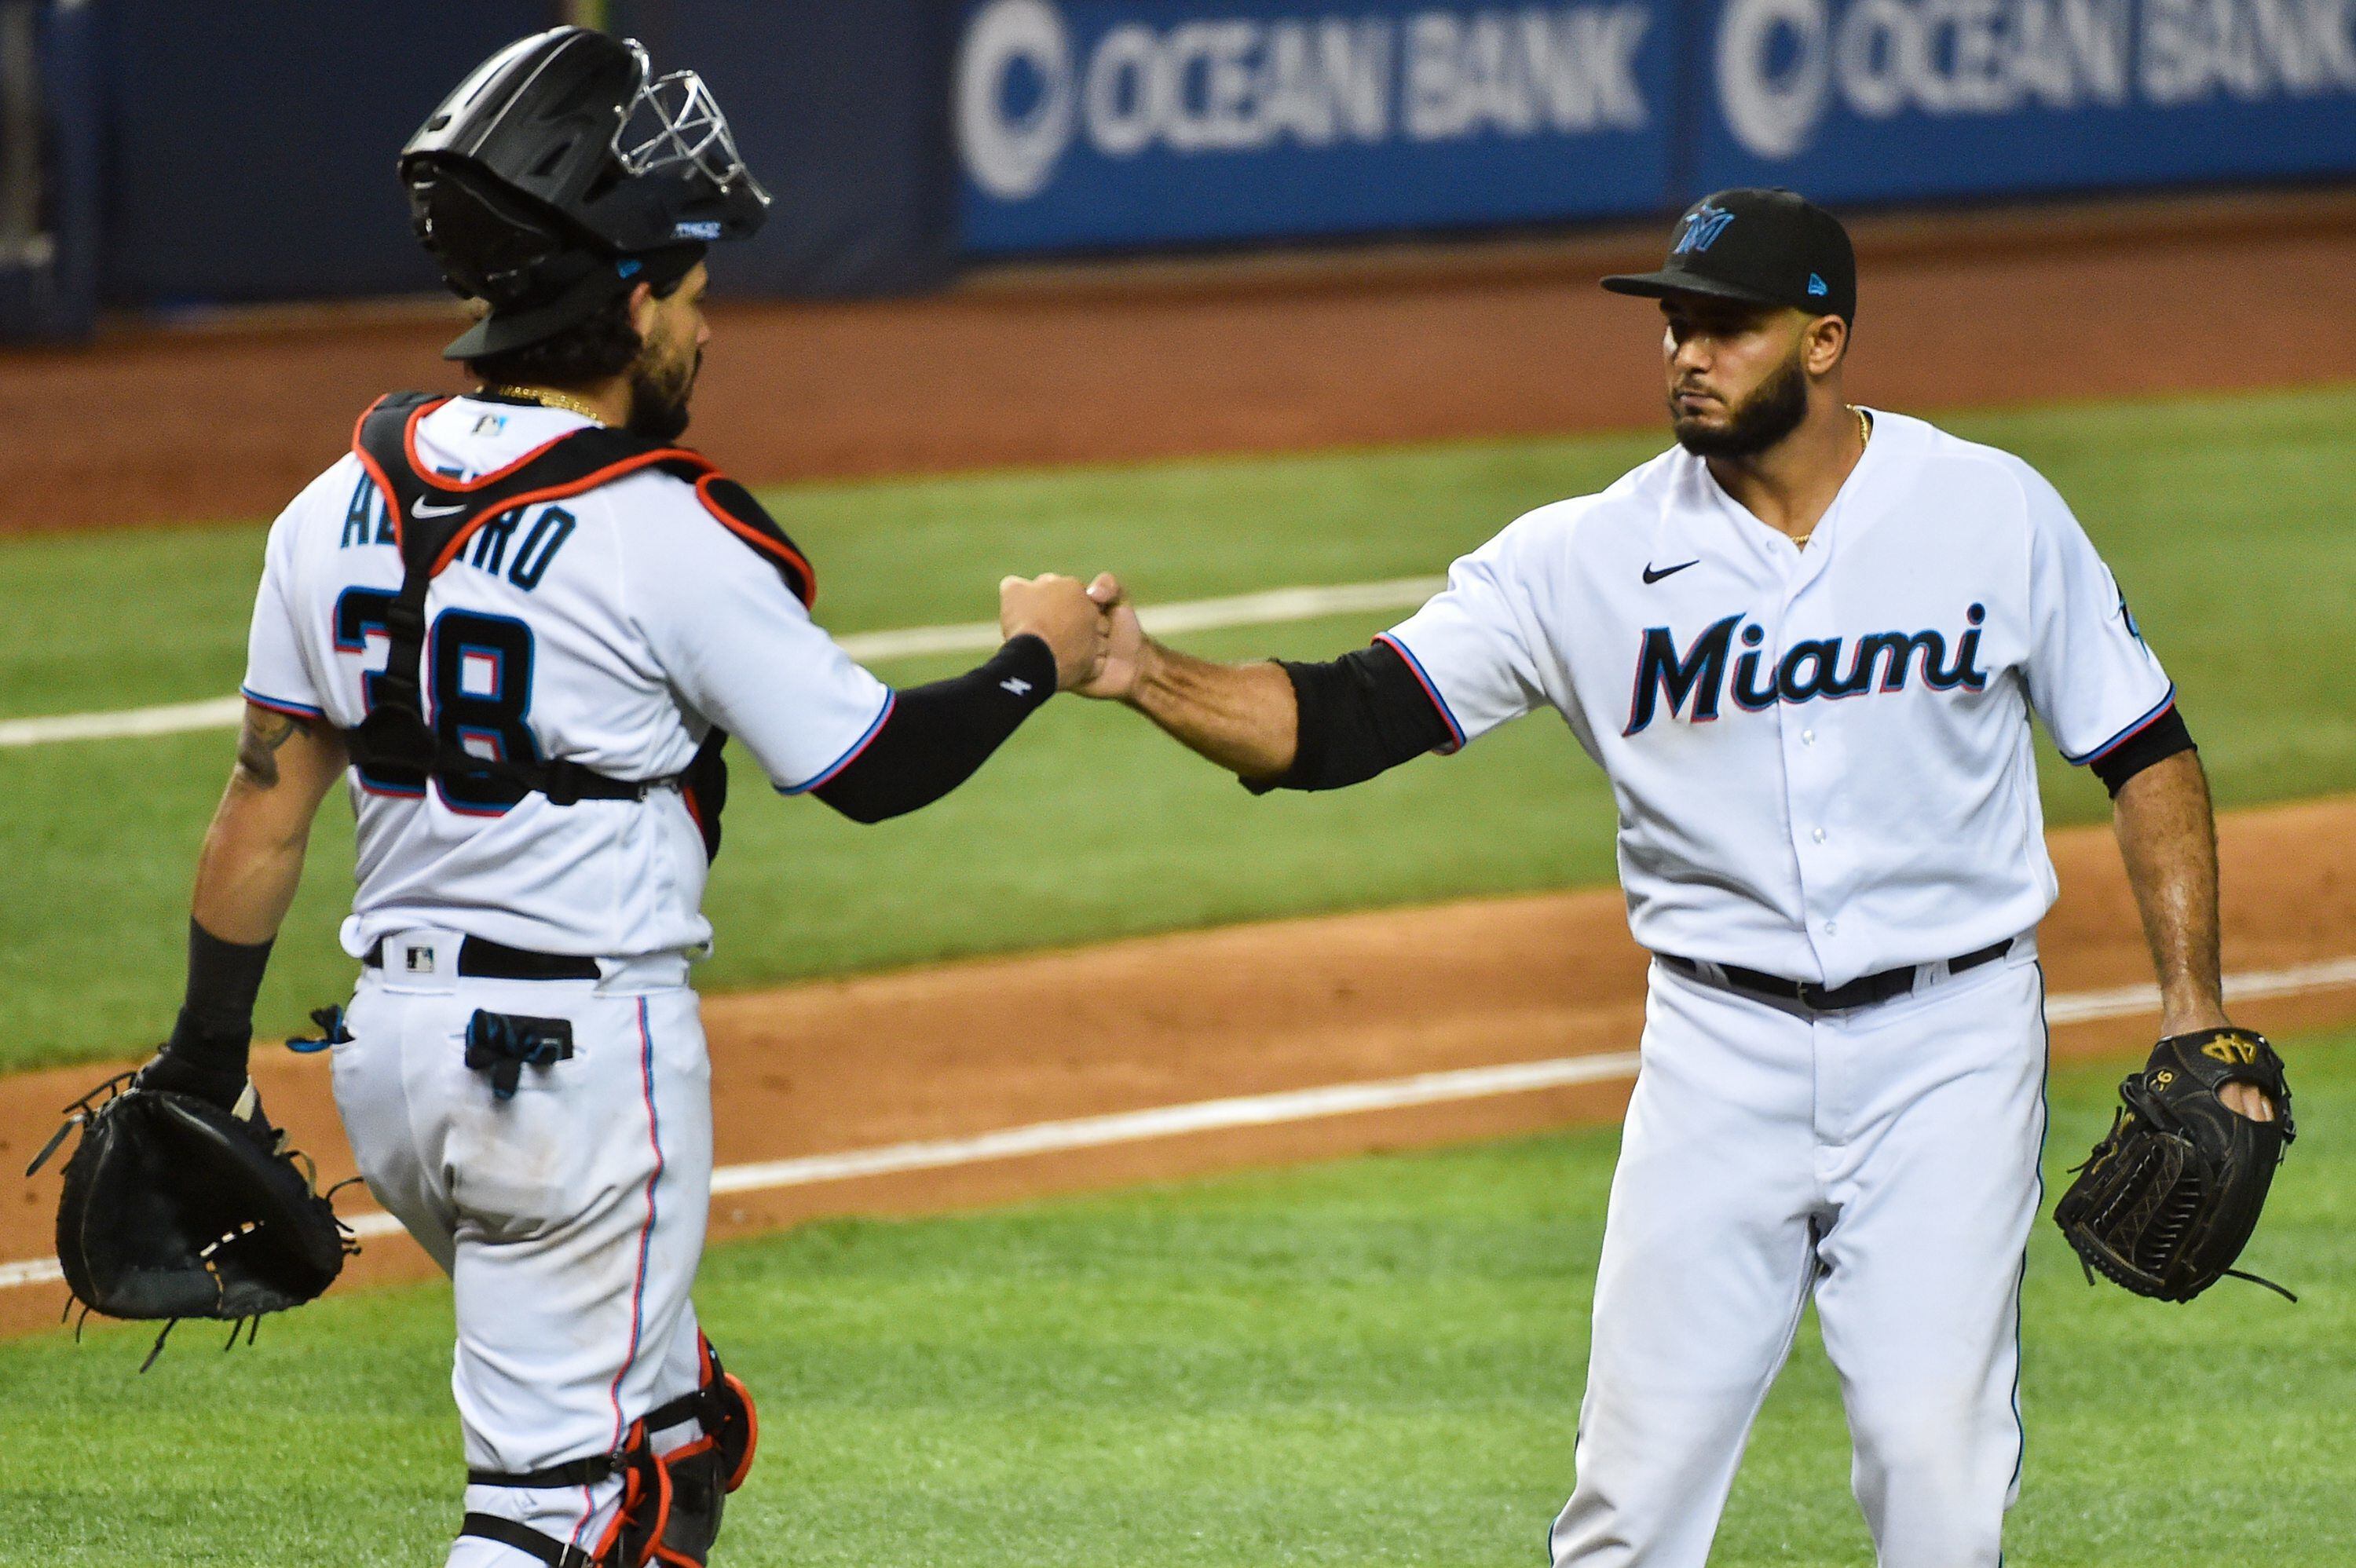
(597, 455)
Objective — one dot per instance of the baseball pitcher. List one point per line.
(1804, 646)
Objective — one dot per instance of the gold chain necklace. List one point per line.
(1864, 439)
(550, 399)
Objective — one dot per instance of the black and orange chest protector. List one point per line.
(432, 518)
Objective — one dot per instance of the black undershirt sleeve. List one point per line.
(215, 1029)
(2158, 740)
(937, 735)
(1360, 714)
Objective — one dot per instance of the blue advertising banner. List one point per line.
(1107, 124)
(1884, 100)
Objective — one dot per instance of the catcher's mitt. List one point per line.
(175, 1208)
(2170, 1197)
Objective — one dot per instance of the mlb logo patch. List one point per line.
(418, 960)
(490, 424)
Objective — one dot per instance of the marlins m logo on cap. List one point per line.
(1704, 224)
(1762, 247)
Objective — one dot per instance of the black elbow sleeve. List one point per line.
(937, 735)
(2155, 742)
(1359, 715)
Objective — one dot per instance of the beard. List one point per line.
(660, 395)
(1773, 410)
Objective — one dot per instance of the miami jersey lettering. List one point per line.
(1808, 670)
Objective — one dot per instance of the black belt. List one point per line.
(1863, 991)
(482, 959)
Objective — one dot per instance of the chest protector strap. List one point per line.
(433, 518)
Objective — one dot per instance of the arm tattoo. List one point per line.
(258, 744)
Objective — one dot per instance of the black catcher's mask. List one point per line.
(563, 173)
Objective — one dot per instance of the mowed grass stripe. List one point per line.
(1089, 825)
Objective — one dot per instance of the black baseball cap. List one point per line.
(1768, 246)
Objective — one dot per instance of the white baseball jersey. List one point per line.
(1822, 757)
(614, 628)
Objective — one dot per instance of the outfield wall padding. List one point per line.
(241, 153)
(249, 149)
(48, 274)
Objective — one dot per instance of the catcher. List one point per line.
(520, 625)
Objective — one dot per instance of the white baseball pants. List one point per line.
(570, 1218)
(1883, 1160)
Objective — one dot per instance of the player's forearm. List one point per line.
(2168, 839)
(246, 878)
(253, 857)
(1242, 716)
(249, 869)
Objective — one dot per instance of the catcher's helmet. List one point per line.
(561, 173)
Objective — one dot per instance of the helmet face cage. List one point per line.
(673, 120)
(560, 156)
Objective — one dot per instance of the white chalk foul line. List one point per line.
(32, 1271)
(1092, 1132)
(172, 718)
(1171, 1121)
(1265, 609)
(2079, 1007)
(1292, 1105)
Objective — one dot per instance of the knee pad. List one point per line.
(702, 1472)
(669, 1512)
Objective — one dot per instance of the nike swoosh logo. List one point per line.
(1652, 576)
(418, 508)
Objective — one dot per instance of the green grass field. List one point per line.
(1372, 1361)
(1092, 825)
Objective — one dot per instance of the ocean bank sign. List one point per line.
(1864, 100)
(1104, 124)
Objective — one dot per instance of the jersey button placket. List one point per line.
(1812, 782)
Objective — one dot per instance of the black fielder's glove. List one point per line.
(2170, 1197)
(175, 1207)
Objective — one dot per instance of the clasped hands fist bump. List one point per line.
(1091, 628)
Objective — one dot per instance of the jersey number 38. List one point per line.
(478, 683)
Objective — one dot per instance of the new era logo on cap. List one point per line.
(1816, 285)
